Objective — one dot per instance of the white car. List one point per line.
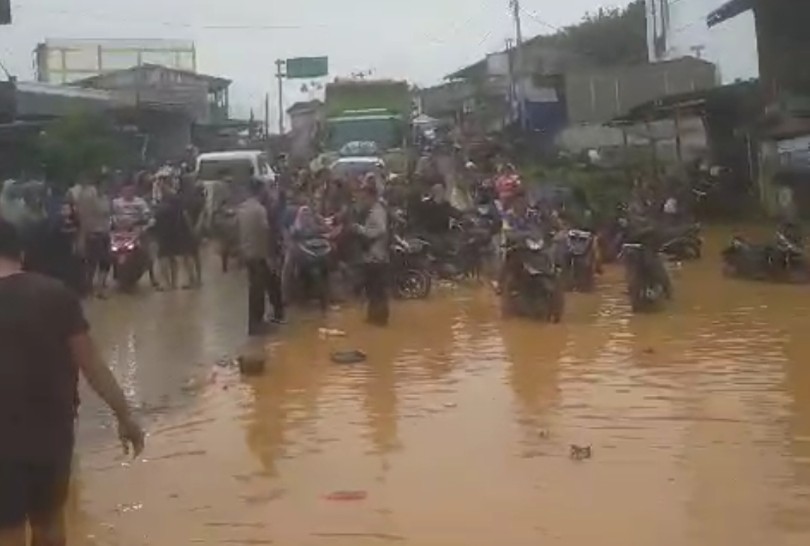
(357, 167)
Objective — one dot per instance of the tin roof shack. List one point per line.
(27, 108)
(725, 118)
(165, 103)
(783, 44)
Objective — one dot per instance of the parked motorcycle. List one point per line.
(783, 262)
(410, 268)
(130, 258)
(533, 287)
(580, 261)
(648, 283)
(683, 243)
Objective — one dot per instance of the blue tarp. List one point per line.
(546, 117)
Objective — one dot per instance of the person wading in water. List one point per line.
(374, 231)
(45, 342)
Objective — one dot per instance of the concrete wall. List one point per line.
(675, 27)
(599, 95)
(580, 137)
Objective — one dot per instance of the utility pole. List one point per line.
(280, 76)
(266, 115)
(512, 112)
(519, 69)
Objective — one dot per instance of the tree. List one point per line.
(80, 143)
(608, 37)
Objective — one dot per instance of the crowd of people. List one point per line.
(68, 236)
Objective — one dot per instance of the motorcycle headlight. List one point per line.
(532, 244)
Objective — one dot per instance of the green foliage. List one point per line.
(604, 188)
(76, 145)
(608, 37)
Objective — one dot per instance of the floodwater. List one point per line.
(457, 431)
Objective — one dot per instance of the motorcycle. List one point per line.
(647, 280)
(410, 268)
(580, 262)
(312, 270)
(784, 262)
(130, 258)
(683, 243)
(533, 287)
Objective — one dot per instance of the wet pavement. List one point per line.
(458, 429)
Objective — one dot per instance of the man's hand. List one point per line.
(131, 435)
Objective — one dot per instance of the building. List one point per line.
(167, 104)
(597, 95)
(63, 61)
(306, 120)
(496, 92)
(203, 98)
(677, 28)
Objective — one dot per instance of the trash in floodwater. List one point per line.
(580, 453)
(346, 496)
(330, 332)
(348, 357)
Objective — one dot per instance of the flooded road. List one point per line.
(458, 429)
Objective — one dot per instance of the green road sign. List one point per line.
(307, 67)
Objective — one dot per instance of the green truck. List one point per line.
(365, 111)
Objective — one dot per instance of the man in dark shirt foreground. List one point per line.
(44, 343)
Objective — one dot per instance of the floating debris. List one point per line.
(580, 453)
(347, 496)
(325, 333)
(348, 357)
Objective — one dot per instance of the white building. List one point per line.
(677, 28)
(66, 60)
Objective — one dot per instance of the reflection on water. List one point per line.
(457, 430)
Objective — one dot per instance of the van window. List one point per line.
(240, 170)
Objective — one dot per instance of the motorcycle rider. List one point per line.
(789, 244)
(131, 212)
(518, 222)
(649, 238)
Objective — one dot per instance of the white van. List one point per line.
(240, 166)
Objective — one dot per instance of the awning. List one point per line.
(730, 9)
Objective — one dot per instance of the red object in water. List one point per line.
(347, 496)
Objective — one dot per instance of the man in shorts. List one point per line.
(45, 343)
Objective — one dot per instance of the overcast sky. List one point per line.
(420, 40)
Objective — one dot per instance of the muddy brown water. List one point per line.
(457, 431)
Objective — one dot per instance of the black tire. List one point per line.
(414, 284)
